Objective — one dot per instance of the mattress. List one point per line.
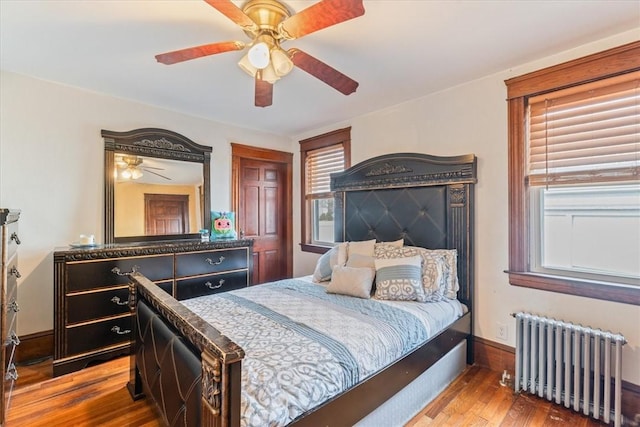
(304, 346)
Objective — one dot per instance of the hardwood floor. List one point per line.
(97, 396)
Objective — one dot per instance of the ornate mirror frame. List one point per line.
(159, 143)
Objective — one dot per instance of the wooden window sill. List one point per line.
(627, 294)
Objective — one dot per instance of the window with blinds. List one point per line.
(321, 163)
(584, 181)
(586, 134)
(321, 156)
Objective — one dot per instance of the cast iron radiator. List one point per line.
(570, 364)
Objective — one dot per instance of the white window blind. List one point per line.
(320, 164)
(587, 134)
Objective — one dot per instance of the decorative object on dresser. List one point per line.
(9, 297)
(92, 317)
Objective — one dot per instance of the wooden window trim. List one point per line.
(339, 136)
(616, 61)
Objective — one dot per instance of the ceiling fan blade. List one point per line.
(233, 12)
(264, 93)
(321, 15)
(198, 52)
(322, 71)
(155, 173)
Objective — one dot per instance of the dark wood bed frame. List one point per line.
(193, 372)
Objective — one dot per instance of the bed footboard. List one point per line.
(190, 370)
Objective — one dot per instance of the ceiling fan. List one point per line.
(131, 167)
(269, 24)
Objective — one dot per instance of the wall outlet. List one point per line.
(502, 332)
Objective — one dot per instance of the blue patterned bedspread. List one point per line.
(303, 346)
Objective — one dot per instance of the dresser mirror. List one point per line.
(157, 186)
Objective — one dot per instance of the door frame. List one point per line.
(239, 152)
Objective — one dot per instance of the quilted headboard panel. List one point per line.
(426, 200)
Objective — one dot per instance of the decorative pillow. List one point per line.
(399, 279)
(451, 285)
(396, 243)
(364, 247)
(359, 261)
(433, 266)
(355, 282)
(324, 267)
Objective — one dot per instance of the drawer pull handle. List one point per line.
(116, 300)
(13, 306)
(12, 373)
(14, 237)
(119, 272)
(117, 330)
(15, 272)
(217, 286)
(13, 339)
(210, 261)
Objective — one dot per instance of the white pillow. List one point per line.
(352, 281)
(365, 247)
(324, 267)
(359, 261)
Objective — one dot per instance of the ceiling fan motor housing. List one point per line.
(267, 14)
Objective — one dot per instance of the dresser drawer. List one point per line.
(93, 336)
(13, 239)
(94, 305)
(211, 284)
(85, 275)
(197, 263)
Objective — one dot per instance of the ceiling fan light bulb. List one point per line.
(268, 74)
(126, 174)
(259, 55)
(282, 64)
(246, 66)
(136, 173)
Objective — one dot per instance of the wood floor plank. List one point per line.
(97, 396)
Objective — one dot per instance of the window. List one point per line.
(321, 156)
(574, 177)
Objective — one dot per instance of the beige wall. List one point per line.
(51, 167)
(472, 118)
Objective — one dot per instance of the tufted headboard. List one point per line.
(425, 200)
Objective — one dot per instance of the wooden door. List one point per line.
(262, 199)
(166, 214)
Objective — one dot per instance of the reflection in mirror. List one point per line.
(156, 196)
(157, 186)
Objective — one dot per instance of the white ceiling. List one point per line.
(399, 50)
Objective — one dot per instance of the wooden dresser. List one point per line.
(9, 304)
(92, 317)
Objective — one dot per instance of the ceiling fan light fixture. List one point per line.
(246, 66)
(136, 173)
(259, 55)
(268, 74)
(282, 64)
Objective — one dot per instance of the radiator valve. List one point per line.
(505, 381)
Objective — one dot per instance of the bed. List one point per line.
(192, 370)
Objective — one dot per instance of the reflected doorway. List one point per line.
(166, 214)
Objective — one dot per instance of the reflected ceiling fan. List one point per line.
(131, 167)
(269, 23)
